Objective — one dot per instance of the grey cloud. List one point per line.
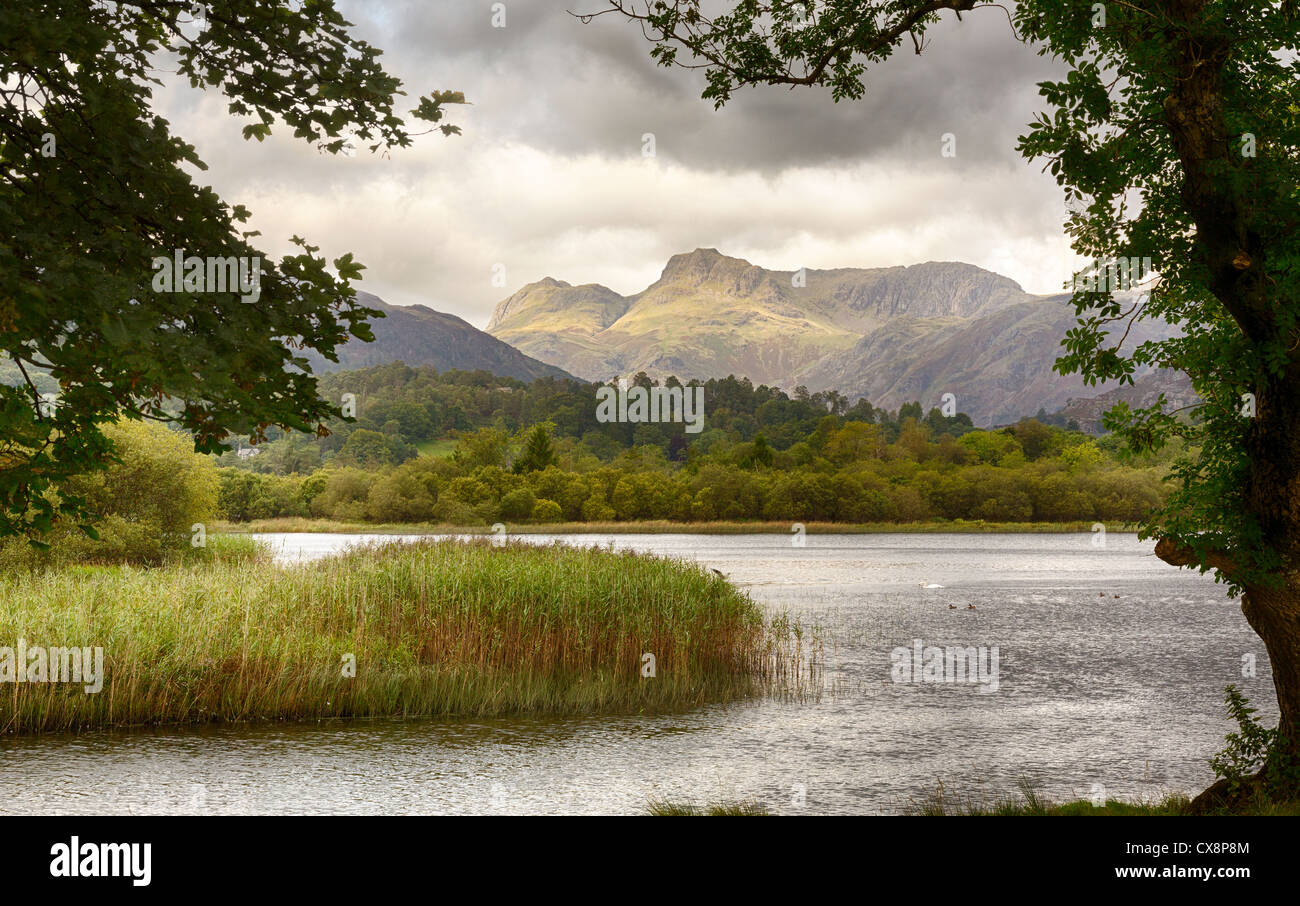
(550, 81)
(548, 179)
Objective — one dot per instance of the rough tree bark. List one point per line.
(1274, 614)
(1235, 255)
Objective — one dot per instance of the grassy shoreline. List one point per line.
(1029, 803)
(1170, 805)
(327, 526)
(436, 628)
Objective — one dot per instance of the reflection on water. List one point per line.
(1112, 668)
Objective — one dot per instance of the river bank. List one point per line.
(959, 526)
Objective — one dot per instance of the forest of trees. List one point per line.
(535, 453)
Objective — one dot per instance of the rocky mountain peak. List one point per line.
(699, 265)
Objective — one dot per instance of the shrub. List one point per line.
(144, 505)
(547, 511)
(1247, 750)
(235, 495)
(596, 509)
(399, 496)
(346, 493)
(453, 511)
(518, 505)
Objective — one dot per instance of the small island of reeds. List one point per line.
(426, 629)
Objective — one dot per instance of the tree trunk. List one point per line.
(1274, 613)
(1235, 255)
(1272, 610)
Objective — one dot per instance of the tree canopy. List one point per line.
(94, 186)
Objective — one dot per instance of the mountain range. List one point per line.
(891, 335)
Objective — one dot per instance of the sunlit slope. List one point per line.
(710, 315)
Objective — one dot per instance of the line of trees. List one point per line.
(400, 409)
(843, 469)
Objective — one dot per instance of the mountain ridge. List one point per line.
(891, 334)
(760, 322)
(420, 335)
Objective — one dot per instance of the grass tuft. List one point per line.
(664, 808)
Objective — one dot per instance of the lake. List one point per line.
(1110, 675)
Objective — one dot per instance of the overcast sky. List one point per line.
(549, 177)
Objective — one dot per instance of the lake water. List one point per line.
(1111, 668)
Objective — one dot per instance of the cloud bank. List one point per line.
(550, 178)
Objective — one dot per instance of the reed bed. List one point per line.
(433, 628)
